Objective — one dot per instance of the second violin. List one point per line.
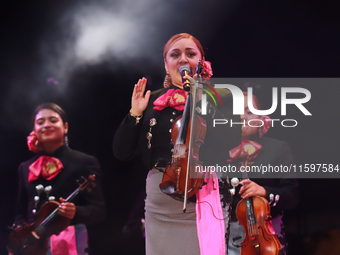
(33, 239)
(253, 213)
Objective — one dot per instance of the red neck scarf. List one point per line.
(47, 167)
(248, 148)
(174, 98)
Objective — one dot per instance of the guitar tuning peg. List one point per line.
(234, 182)
(39, 188)
(48, 189)
(277, 197)
(36, 201)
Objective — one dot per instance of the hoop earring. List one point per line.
(66, 140)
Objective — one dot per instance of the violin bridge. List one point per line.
(178, 156)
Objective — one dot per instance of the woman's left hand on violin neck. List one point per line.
(67, 209)
(251, 189)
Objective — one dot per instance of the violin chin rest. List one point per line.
(168, 187)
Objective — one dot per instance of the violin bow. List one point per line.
(192, 120)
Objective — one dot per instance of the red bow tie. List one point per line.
(47, 167)
(174, 98)
(248, 148)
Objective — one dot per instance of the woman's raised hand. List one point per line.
(139, 102)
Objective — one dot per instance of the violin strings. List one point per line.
(45, 222)
(53, 215)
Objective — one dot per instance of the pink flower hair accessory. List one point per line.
(33, 143)
(206, 70)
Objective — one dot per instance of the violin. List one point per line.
(253, 213)
(180, 180)
(33, 239)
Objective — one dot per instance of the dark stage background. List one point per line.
(87, 55)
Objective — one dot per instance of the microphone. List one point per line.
(183, 71)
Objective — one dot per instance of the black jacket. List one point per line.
(130, 138)
(274, 153)
(90, 206)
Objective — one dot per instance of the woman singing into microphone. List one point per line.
(146, 131)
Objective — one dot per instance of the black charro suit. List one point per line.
(130, 139)
(90, 206)
(169, 230)
(274, 153)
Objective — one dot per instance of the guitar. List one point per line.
(33, 239)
